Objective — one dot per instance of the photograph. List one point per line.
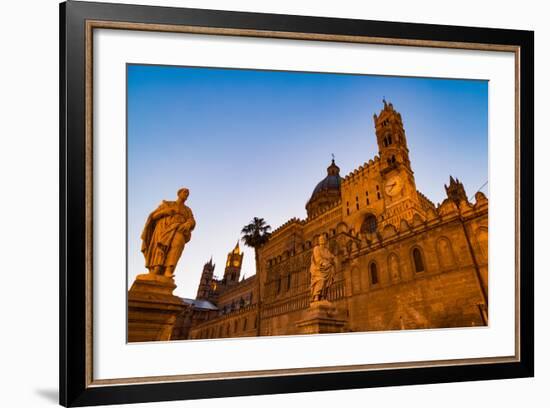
(284, 203)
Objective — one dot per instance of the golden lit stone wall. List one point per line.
(245, 290)
(240, 323)
(446, 293)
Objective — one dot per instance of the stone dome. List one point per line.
(326, 192)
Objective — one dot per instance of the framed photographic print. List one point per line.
(256, 203)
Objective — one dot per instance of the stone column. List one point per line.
(152, 308)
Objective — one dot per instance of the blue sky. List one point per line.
(255, 143)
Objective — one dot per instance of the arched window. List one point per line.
(369, 224)
(288, 279)
(373, 274)
(418, 261)
(389, 140)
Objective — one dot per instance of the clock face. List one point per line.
(393, 186)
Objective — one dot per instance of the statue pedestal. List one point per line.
(321, 317)
(152, 308)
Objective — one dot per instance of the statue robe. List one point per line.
(165, 234)
(322, 271)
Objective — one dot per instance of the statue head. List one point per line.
(183, 193)
(322, 240)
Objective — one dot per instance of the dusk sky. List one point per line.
(255, 143)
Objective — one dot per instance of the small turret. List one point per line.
(455, 191)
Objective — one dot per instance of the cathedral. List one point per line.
(402, 261)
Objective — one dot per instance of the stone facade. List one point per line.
(403, 262)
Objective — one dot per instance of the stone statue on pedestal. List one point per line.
(322, 269)
(152, 306)
(165, 234)
(322, 316)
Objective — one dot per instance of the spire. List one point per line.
(455, 190)
(333, 169)
(237, 249)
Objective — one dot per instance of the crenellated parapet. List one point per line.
(372, 166)
(294, 221)
(425, 201)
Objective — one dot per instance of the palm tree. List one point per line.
(255, 234)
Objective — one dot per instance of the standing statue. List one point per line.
(165, 234)
(322, 269)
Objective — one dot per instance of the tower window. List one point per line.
(389, 140)
(377, 187)
(418, 261)
(378, 195)
(368, 203)
(347, 211)
(357, 205)
(369, 224)
(373, 274)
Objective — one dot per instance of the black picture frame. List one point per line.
(75, 387)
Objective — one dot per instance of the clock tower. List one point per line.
(401, 199)
(233, 266)
(391, 139)
(395, 166)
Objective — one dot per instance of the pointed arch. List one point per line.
(445, 253)
(394, 267)
(374, 275)
(417, 259)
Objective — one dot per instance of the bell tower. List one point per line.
(207, 276)
(233, 266)
(401, 198)
(391, 139)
